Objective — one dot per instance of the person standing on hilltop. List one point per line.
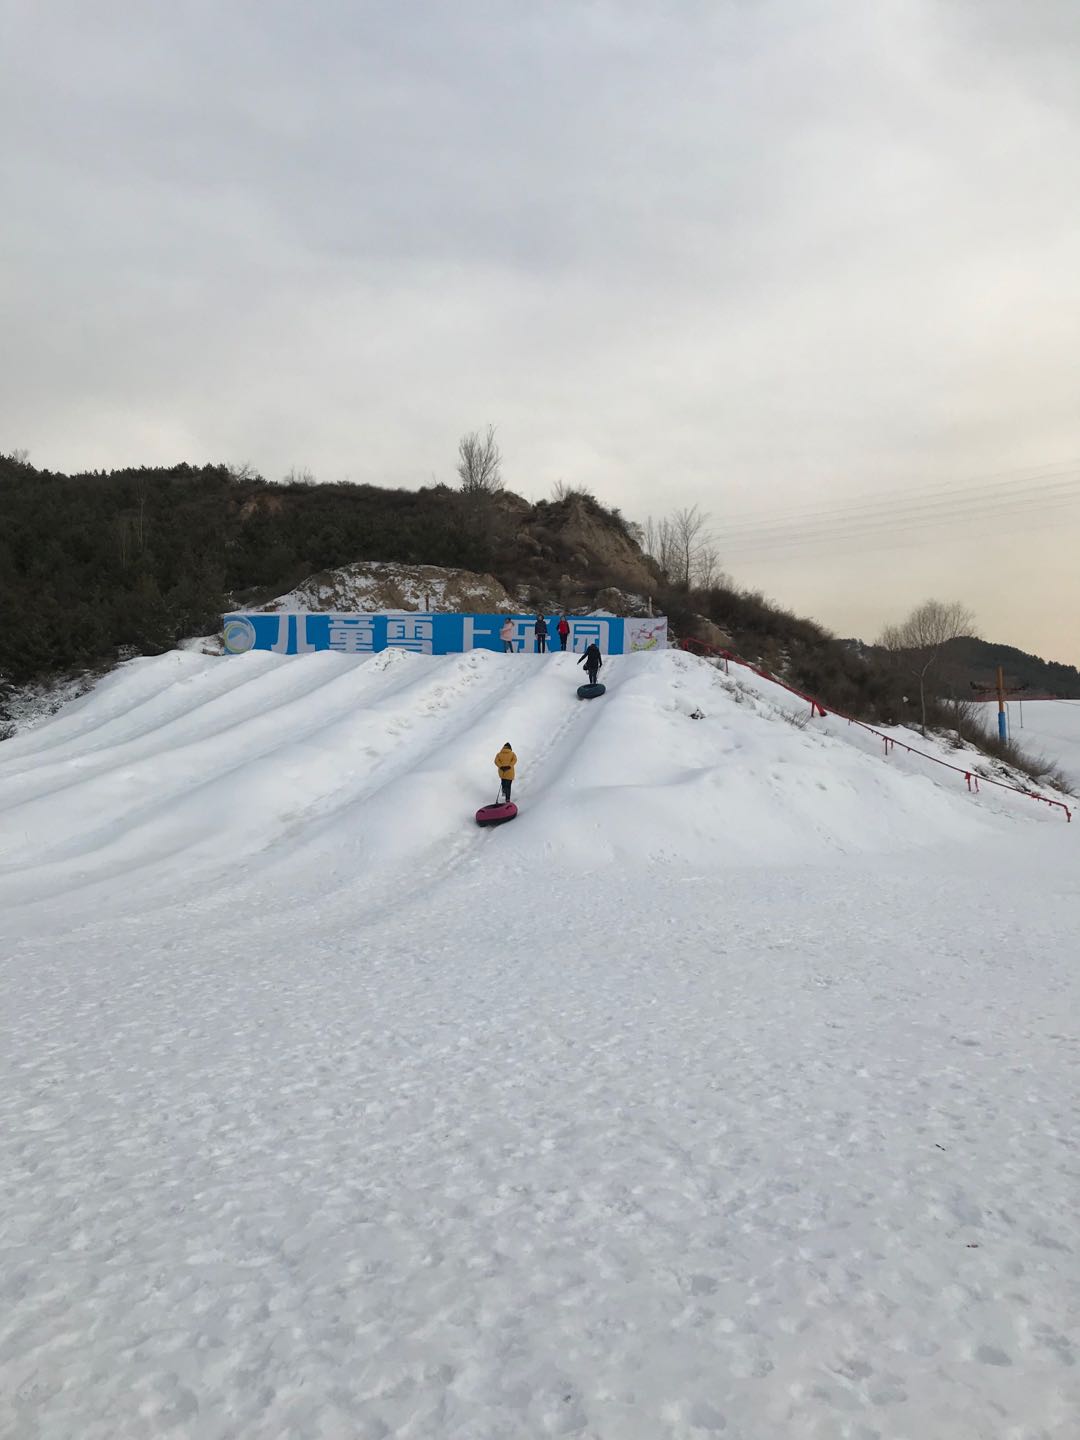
(563, 628)
(505, 761)
(506, 635)
(592, 660)
(541, 635)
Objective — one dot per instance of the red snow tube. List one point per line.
(495, 814)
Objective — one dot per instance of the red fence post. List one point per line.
(816, 708)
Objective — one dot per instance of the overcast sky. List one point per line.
(813, 265)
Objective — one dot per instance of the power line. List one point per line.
(888, 510)
(976, 485)
(912, 532)
(988, 529)
(935, 510)
(941, 513)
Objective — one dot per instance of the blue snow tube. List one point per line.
(590, 692)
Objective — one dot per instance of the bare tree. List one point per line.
(122, 525)
(697, 552)
(918, 641)
(566, 490)
(140, 515)
(480, 463)
(130, 526)
(967, 717)
(301, 476)
(658, 541)
(684, 549)
(688, 525)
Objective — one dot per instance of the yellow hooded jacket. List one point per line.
(506, 760)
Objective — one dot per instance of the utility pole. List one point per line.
(1002, 690)
(1003, 725)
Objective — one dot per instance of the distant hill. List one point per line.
(133, 561)
(976, 661)
(969, 662)
(97, 567)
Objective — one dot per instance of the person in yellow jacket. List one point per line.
(505, 761)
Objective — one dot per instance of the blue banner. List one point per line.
(300, 633)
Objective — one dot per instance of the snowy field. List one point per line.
(730, 1091)
(1049, 728)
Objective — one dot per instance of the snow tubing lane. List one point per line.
(495, 814)
(590, 692)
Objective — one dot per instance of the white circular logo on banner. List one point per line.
(239, 636)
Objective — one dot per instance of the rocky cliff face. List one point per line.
(398, 550)
(596, 543)
(378, 585)
(575, 540)
(570, 554)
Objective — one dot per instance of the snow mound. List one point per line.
(181, 768)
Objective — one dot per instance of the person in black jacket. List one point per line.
(541, 634)
(592, 660)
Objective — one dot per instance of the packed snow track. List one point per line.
(730, 1091)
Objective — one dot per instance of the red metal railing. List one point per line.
(699, 647)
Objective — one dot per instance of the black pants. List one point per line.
(506, 791)
(508, 647)
(562, 642)
(541, 644)
(592, 676)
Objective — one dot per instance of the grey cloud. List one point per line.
(738, 254)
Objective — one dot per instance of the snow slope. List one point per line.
(908, 749)
(730, 1090)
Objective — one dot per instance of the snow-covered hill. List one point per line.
(177, 767)
(729, 1090)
